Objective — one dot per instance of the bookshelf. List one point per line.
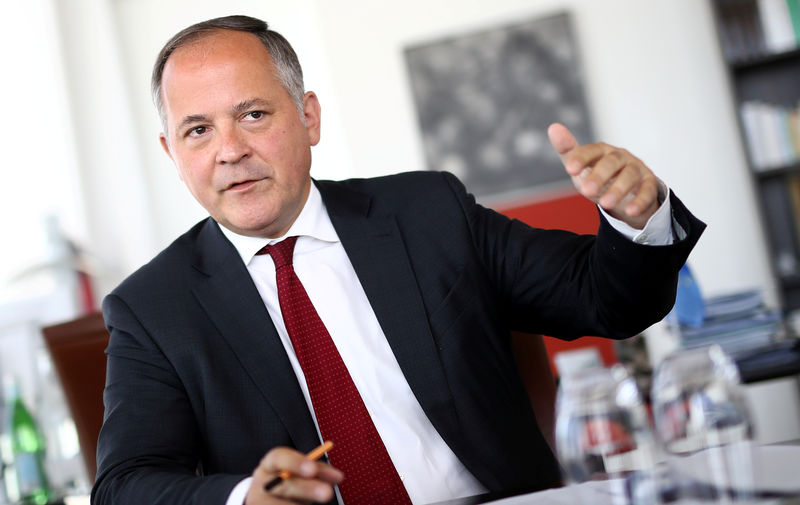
(760, 42)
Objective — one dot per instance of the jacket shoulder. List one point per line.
(403, 189)
(167, 267)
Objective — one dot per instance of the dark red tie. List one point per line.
(369, 475)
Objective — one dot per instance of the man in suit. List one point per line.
(208, 397)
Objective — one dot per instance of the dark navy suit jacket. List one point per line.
(199, 387)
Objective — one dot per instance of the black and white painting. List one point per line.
(484, 101)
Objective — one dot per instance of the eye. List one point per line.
(254, 115)
(197, 131)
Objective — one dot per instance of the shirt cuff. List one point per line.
(658, 229)
(239, 493)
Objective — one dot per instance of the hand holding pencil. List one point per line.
(285, 475)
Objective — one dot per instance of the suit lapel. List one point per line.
(230, 298)
(377, 252)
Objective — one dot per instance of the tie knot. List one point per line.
(281, 252)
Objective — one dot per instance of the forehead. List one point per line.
(228, 44)
(217, 64)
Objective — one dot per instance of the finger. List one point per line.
(256, 495)
(327, 473)
(323, 472)
(308, 481)
(604, 172)
(646, 197)
(561, 138)
(300, 489)
(626, 179)
(563, 141)
(585, 156)
(285, 458)
(290, 491)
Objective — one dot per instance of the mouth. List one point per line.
(241, 185)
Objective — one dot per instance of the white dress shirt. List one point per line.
(429, 469)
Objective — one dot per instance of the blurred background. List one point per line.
(89, 196)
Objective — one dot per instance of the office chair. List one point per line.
(77, 349)
(534, 367)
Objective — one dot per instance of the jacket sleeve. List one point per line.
(566, 285)
(148, 450)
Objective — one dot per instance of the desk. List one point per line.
(565, 496)
(781, 359)
(560, 497)
(771, 377)
(775, 471)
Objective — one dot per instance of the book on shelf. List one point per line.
(794, 130)
(781, 222)
(776, 22)
(740, 30)
(772, 134)
(794, 14)
(793, 182)
(750, 29)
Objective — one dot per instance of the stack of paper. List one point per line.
(738, 322)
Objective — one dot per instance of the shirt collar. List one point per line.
(312, 222)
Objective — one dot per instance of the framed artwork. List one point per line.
(484, 101)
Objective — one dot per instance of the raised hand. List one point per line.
(609, 176)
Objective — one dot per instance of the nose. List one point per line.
(233, 146)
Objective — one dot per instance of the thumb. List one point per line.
(562, 140)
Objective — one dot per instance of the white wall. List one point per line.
(653, 72)
(39, 165)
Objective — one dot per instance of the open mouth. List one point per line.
(239, 186)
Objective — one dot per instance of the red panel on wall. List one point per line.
(570, 212)
(575, 213)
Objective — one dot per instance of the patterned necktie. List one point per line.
(369, 475)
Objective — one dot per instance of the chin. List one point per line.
(254, 228)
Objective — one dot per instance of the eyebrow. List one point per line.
(246, 105)
(192, 119)
(237, 109)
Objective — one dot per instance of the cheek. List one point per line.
(193, 164)
(196, 178)
(288, 146)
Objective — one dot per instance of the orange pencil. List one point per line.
(314, 455)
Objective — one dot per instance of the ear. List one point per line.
(165, 147)
(312, 114)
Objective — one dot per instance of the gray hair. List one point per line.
(287, 66)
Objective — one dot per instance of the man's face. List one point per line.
(235, 134)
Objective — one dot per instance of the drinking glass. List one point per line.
(604, 438)
(703, 423)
